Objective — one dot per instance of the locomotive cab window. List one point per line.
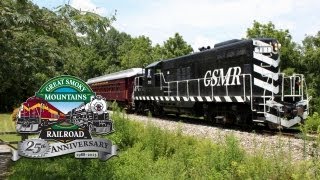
(157, 80)
(149, 72)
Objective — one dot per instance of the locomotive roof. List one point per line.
(117, 75)
(218, 46)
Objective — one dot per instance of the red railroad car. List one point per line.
(35, 113)
(116, 86)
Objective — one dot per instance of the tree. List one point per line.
(311, 52)
(174, 47)
(290, 56)
(38, 44)
(136, 53)
(311, 66)
(89, 26)
(29, 51)
(111, 49)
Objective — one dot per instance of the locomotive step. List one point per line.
(219, 117)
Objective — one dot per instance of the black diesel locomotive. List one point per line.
(237, 81)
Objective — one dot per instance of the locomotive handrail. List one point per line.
(162, 79)
(292, 92)
(293, 79)
(137, 87)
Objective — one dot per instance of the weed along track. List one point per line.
(270, 143)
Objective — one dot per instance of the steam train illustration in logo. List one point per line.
(36, 114)
(93, 116)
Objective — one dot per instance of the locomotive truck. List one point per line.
(237, 82)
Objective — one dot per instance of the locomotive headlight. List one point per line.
(276, 46)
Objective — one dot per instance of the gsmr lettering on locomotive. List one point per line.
(218, 78)
(237, 82)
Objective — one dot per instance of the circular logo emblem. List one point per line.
(98, 106)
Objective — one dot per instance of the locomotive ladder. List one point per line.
(265, 102)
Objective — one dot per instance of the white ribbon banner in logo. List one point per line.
(39, 148)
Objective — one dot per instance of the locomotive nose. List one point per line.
(289, 111)
(294, 110)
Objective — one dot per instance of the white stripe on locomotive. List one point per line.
(265, 72)
(266, 59)
(266, 86)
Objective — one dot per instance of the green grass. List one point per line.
(10, 137)
(6, 123)
(147, 152)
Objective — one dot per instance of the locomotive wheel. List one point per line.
(140, 109)
(273, 126)
(208, 113)
(208, 116)
(156, 110)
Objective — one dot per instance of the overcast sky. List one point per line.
(202, 22)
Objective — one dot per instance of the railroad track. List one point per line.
(262, 130)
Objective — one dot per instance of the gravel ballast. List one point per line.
(268, 144)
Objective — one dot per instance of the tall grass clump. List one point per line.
(126, 131)
(148, 152)
(312, 123)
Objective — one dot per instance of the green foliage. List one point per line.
(146, 152)
(31, 49)
(174, 47)
(312, 124)
(311, 51)
(136, 52)
(38, 44)
(311, 66)
(110, 50)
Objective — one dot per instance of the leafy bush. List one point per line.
(313, 122)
